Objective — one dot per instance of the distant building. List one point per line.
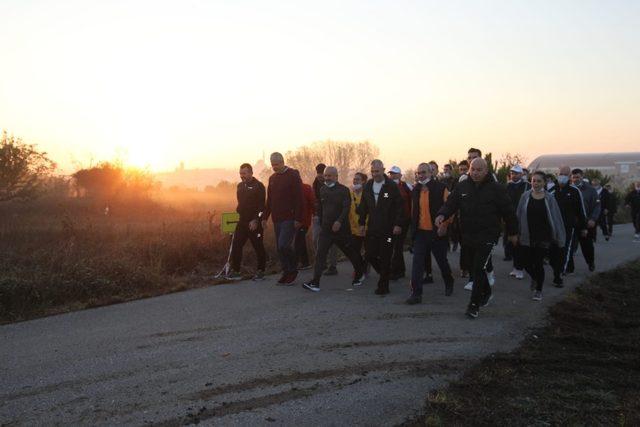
(623, 167)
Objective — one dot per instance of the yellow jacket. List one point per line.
(353, 216)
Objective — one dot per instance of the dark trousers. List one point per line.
(378, 250)
(560, 258)
(428, 265)
(635, 217)
(480, 256)
(425, 243)
(285, 235)
(358, 243)
(533, 258)
(397, 259)
(603, 223)
(586, 246)
(342, 241)
(302, 255)
(240, 237)
(465, 262)
(610, 216)
(514, 253)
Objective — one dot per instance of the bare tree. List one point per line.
(23, 169)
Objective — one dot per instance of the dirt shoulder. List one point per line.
(583, 368)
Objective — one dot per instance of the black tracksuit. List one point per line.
(482, 208)
(381, 217)
(605, 205)
(574, 218)
(515, 191)
(333, 206)
(251, 205)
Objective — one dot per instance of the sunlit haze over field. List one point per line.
(215, 83)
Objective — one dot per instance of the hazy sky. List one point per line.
(215, 83)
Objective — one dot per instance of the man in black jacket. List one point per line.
(333, 209)
(482, 204)
(515, 188)
(382, 212)
(614, 199)
(569, 200)
(428, 195)
(632, 201)
(605, 205)
(251, 196)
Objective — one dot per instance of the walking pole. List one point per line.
(227, 266)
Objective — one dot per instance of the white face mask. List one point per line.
(425, 181)
(397, 181)
(357, 186)
(563, 179)
(329, 184)
(446, 174)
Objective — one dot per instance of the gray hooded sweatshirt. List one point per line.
(553, 215)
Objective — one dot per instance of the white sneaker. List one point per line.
(468, 286)
(537, 296)
(491, 277)
(636, 238)
(513, 273)
(519, 274)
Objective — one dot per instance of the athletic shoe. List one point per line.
(607, 238)
(259, 276)
(414, 300)
(491, 277)
(558, 283)
(472, 311)
(331, 271)
(305, 267)
(486, 300)
(519, 274)
(358, 281)
(428, 279)
(513, 273)
(283, 279)
(233, 275)
(468, 286)
(592, 267)
(537, 296)
(636, 237)
(310, 286)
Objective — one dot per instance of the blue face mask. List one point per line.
(563, 179)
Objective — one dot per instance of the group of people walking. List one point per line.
(543, 219)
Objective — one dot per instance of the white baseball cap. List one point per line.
(395, 169)
(517, 169)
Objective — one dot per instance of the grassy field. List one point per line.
(67, 254)
(581, 369)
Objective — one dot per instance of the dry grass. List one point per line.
(66, 254)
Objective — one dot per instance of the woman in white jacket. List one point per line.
(540, 225)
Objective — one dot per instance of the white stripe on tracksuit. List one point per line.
(568, 254)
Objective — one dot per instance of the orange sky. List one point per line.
(216, 84)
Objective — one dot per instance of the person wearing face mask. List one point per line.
(540, 226)
(592, 210)
(333, 210)
(632, 201)
(516, 187)
(398, 268)
(447, 177)
(359, 179)
(605, 202)
(251, 206)
(569, 199)
(381, 216)
(428, 197)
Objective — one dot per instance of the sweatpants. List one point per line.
(586, 246)
(480, 256)
(315, 235)
(561, 257)
(378, 251)
(345, 243)
(241, 235)
(398, 267)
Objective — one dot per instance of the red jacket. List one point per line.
(309, 209)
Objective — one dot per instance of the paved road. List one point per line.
(258, 354)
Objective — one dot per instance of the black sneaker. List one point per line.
(331, 271)
(358, 281)
(428, 279)
(412, 300)
(233, 275)
(259, 276)
(311, 287)
(592, 267)
(472, 311)
(558, 283)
